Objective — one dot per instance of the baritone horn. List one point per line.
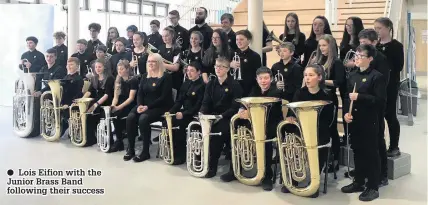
(166, 146)
(299, 152)
(50, 112)
(248, 145)
(198, 144)
(236, 72)
(77, 122)
(104, 130)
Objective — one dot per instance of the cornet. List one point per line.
(236, 73)
(135, 58)
(280, 78)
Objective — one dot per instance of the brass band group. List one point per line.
(215, 96)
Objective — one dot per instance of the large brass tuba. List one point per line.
(77, 122)
(298, 152)
(166, 146)
(104, 130)
(198, 144)
(248, 146)
(50, 112)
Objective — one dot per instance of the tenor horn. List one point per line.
(50, 112)
(299, 152)
(78, 121)
(166, 146)
(248, 145)
(104, 130)
(198, 144)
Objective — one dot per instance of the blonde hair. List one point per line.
(160, 65)
(332, 53)
(118, 81)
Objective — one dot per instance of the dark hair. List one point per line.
(327, 29)
(155, 22)
(51, 51)
(205, 10)
(196, 65)
(32, 38)
(356, 28)
(95, 80)
(115, 30)
(227, 16)
(82, 41)
(59, 34)
(175, 13)
(132, 28)
(121, 39)
(245, 33)
(95, 26)
(263, 70)
(370, 50)
(296, 28)
(319, 70)
(74, 60)
(385, 21)
(102, 48)
(143, 36)
(224, 42)
(369, 34)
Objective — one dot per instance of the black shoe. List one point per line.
(352, 188)
(369, 195)
(331, 169)
(350, 174)
(228, 177)
(141, 157)
(394, 152)
(156, 139)
(267, 184)
(129, 155)
(117, 146)
(383, 182)
(211, 174)
(179, 160)
(315, 195)
(284, 189)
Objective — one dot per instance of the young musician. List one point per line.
(121, 54)
(130, 31)
(394, 52)
(293, 34)
(265, 88)
(219, 99)
(169, 51)
(139, 53)
(363, 119)
(62, 52)
(219, 47)
(195, 52)
(188, 103)
(291, 71)
(227, 21)
(320, 26)
(85, 57)
(154, 98)
(203, 27)
(315, 89)
(101, 53)
(155, 38)
(182, 33)
(32, 60)
(125, 90)
(94, 42)
(51, 71)
(350, 41)
(250, 61)
(112, 34)
(101, 89)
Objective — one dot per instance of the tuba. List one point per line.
(236, 73)
(298, 152)
(166, 146)
(77, 121)
(104, 130)
(248, 146)
(50, 112)
(198, 144)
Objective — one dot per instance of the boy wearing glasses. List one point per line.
(369, 97)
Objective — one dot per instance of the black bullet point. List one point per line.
(10, 172)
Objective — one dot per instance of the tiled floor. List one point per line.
(154, 182)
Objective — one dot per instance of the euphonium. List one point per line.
(297, 152)
(166, 146)
(248, 146)
(104, 130)
(236, 73)
(198, 144)
(77, 122)
(50, 112)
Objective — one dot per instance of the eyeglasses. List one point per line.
(220, 66)
(360, 56)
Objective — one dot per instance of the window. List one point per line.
(97, 5)
(26, 1)
(161, 10)
(50, 2)
(116, 6)
(148, 9)
(132, 8)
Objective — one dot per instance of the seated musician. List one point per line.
(154, 98)
(315, 89)
(50, 71)
(101, 90)
(188, 103)
(119, 44)
(101, 53)
(125, 90)
(219, 99)
(265, 88)
(72, 88)
(290, 70)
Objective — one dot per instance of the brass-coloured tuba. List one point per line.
(198, 144)
(50, 112)
(248, 146)
(298, 152)
(104, 130)
(77, 122)
(166, 146)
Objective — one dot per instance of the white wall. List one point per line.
(418, 8)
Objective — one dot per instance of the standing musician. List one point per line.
(181, 32)
(394, 52)
(350, 41)
(249, 62)
(195, 52)
(293, 34)
(219, 47)
(369, 97)
(203, 27)
(315, 89)
(326, 55)
(101, 89)
(227, 21)
(188, 103)
(139, 54)
(94, 42)
(32, 60)
(121, 54)
(130, 31)
(290, 70)
(265, 88)
(112, 35)
(85, 57)
(320, 26)
(219, 99)
(169, 51)
(50, 71)
(62, 52)
(125, 90)
(101, 53)
(154, 98)
(155, 38)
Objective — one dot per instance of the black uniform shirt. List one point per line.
(72, 88)
(55, 72)
(275, 113)
(36, 58)
(93, 45)
(299, 47)
(155, 92)
(394, 53)
(85, 61)
(116, 58)
(142, 62)
(102, 89)
(184, 35)
(111, 48)
(293, 77)
(125, 88)
(190, 97)
(206, 31)
(169, 54)
(155, 39)
(61, 55)
(250, 62)
(189, 55)
(232, 40)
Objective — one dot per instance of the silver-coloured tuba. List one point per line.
(104, 130)
(198, 144)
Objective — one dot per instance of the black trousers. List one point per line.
(217, 142)
(142, 121)
(92, 121)
(119, 123)
(382, 147)
(179, 136)
(391, 114)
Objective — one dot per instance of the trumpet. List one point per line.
(236, 73)
(280, 78)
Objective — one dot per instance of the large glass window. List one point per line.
(116, 6)
(122, 21)
(86, 18)
(96, 4)
(132, 8)
(161, 10)
(148, 9)
(26, 1)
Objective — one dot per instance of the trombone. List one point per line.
(236, 73)
(280, 78)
